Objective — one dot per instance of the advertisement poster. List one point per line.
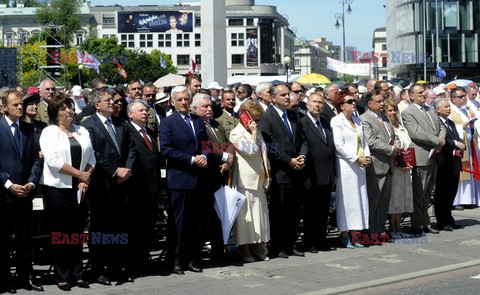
(154, 21)
(252, 47)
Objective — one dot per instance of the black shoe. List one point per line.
(282, 254)
(64, 287)
(430, 230)
(312, 250)
(325, 248)
(457, 226)
(193, 267)
(417, 232)
(30, 286)
(103, 280)
(83, 284)
(178, 270)
(299, 253)
(9, 289)
(446, 228)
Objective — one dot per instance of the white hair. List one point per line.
(262, 86)
(180, 89)
(199, 97)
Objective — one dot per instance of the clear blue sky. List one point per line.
(314, 18)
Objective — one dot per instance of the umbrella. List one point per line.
(314, 78)
(460, 82)
(170, 80)
(228, 202)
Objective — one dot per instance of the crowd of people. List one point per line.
(99, 153)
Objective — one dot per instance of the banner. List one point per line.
(350, 69)
(252, 47)
(154, 21)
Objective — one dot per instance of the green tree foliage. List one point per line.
(61, 12)
(32, 57)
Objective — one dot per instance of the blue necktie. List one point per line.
(322, 132)
(18, 139)
(285, 121)
(189, 123)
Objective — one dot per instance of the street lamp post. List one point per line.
(286, 62)
(341, 17)
(80, 68)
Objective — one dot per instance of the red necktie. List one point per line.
(147, 140)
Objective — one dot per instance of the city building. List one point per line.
(311, 57)
(258, 37)
(379, 60)
(412, 33)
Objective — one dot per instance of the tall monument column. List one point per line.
(214, 42)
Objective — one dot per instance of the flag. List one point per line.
(440, 73)
(162, 63)
(121, 71)
(88, 61)
(193, 69)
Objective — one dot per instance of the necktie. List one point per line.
(285, 121)
(147, 140)
(211, 130)
(112, 133)
(190, 127)
(18, 139)
(322, 132)
(425, 110)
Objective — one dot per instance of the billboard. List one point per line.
(252, 47)
(154, 21)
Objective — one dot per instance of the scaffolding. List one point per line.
(56, 70)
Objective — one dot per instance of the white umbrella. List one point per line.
(228, 202)
(170, 80)
(460, 82)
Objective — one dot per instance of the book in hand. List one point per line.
(406, 158)
(245, 118)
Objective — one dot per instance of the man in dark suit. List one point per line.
(320, 174)
(449, 167)
(146, 181)
(19, 171)
(110, 185)
(282, 132)
(329, 111)
(218, 169)
(181, 137)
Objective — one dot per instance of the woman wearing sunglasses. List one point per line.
(353, 156)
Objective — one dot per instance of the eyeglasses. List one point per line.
(52, 89)
(297, 91)
(350, 101)
(461, 96)
(117, 101)
(149, 95)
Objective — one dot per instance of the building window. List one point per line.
(104, 36)
(164, 40)
(9, 39)
(238, 39)
(183, 60)
(450, 14)
(128, 40)
(235, 22)
(79, 38)
(146, 40)
(198, 21)
(384, 47)
(183, 40)
(238, 59)
(198, 59)
(108, 20)
(197, 40)
(297, 62)
(249, 21)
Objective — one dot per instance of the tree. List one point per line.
(61, 12)
(32, 58)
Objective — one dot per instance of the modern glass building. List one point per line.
(413, 28)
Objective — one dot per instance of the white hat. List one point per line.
(214, 85)
(438, 90)
(161, 97)
(76, 90)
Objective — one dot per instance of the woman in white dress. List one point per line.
(353, 156)
(251, 177)
(401, 200)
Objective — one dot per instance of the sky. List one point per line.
(315, 18)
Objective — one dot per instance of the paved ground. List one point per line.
(341, 271)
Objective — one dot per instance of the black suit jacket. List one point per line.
(320, 163)
(327, 113)
(282, 146)
(103, 184)
(19, 170)
(447, 162)
(219, 145)
(146, 170)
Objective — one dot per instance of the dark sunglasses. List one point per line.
(297, 91)
(149, 95)
(461, 96)
(53, 89)
(117, 101)
(350, 101)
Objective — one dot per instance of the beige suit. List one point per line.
(251, 176)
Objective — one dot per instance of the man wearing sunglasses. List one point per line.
(47, 91)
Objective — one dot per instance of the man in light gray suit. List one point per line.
(428, 137)
(380, 137)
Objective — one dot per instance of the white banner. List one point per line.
(355, 69)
